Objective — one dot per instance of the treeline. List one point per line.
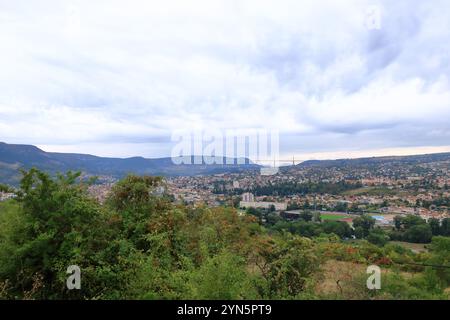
(306, 225)
(409, 228)
(339, 207)
(415, 229)
(290, 188)
(363, 228)
(5, 188)
(311, 230)
(140, 245)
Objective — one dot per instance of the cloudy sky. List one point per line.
(117, 78)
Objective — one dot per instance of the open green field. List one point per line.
(328, 216)
(8, 206)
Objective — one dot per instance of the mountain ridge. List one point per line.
(16, 156)
(404, 159)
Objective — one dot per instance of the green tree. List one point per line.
(359, 232)
(378, 237)
(435, 226)
(411, 221)
(440, 250)
(398, 220)
(341, 207)
(340, 228)
(222, 277)
(59, 225)
(135, 201)
(418, 234)
(255, 212)
(5, 188)
(365, 222)
(286, 265)
(445, 227)
(306, 216)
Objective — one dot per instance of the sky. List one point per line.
(337, 79)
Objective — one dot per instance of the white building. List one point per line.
(6, 196)
(248, 197)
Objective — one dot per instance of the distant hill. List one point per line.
(376, 161)
(14, 156)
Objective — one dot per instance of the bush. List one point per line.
(418, 234)
(378, 237)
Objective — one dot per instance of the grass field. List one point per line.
(325, 216)
(346, 280)
(416, 247)
(8, 206)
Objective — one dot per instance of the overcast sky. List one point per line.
(116, 78)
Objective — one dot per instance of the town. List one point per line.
(382, 190)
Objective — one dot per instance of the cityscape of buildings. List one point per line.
(383, 190)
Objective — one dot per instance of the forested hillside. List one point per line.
(14, 157)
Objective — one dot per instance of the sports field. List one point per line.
(329, 216)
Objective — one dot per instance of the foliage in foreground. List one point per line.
(139, 245)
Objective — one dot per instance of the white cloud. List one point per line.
(116, 73)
